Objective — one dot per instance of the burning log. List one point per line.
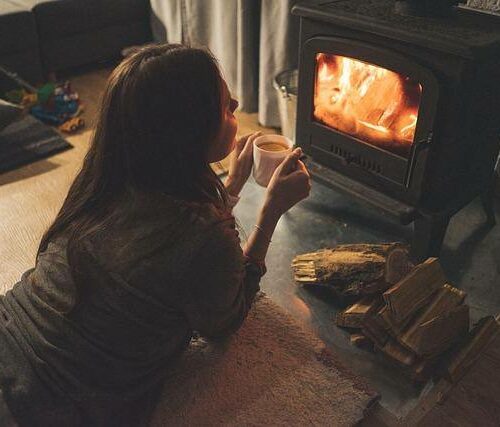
(369, 102)
(354, 270)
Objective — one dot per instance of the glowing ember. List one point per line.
(371, 103)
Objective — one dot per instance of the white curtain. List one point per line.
(279, 45)
(228, 29)
(167, 14)
(254, 40)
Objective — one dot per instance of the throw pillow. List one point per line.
(9, 113)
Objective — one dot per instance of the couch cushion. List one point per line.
(17, 26)
(25, 63)
(92, 46)
(56, 18)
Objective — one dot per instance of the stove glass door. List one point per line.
(371, 103)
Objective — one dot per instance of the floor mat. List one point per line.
(28, 140)
(271, 372)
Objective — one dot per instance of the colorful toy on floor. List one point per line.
(56, 104)
(53, 104)
(72, 125)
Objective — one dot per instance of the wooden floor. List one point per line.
(476, 398)
(31, 196)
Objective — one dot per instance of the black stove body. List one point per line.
(401, 111)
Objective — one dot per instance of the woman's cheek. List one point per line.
(233, 141)
(234, 129)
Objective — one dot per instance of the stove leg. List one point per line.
(487, 200)
(428, 236)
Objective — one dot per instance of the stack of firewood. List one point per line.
(409, 313)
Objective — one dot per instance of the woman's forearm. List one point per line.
(260, 238)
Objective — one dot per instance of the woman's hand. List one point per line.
(241, 163)
(289, 184)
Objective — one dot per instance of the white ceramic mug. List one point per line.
(265, 162)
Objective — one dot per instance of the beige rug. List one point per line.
(270, 373)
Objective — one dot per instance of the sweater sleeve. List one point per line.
(221, 284)
(232, 201)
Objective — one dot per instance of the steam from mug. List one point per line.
(265, 162)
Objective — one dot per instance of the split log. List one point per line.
(414, 290)
(396, 327)
(375, 333)
(398, 265)
(481, 334)
(354, 270)
(353, 316)
(375, 328)
(398, 353)
(360, 340)
(422, 370)
(442, 302)
(438, 334)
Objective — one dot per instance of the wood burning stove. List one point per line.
(401, 111)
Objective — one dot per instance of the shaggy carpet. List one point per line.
(271, 372)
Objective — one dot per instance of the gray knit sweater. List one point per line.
(95, 353)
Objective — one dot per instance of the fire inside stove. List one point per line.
(371, 103)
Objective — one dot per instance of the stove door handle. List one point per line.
(417, 148)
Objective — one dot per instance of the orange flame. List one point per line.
(369, 102)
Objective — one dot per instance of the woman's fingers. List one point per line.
(245, 143)
(290, 163)
(241, 142)
(248, 149)
(301, 184)
(301, 176)
(302, 167)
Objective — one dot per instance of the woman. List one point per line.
(143, 252)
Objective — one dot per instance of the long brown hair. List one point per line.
(161, 110)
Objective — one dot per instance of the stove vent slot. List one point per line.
(348, 157)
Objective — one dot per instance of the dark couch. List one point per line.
(19, 48)
(42, 36)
